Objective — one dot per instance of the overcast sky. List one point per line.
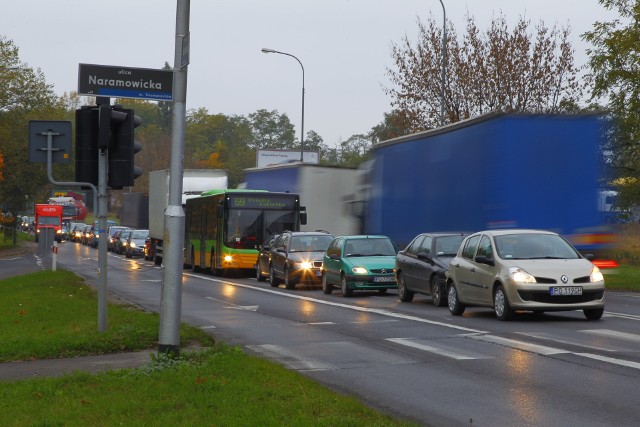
(344, 46)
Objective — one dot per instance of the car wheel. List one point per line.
(327, 287)
(404, 294)
(593, 313)
(259, 275)
(289, 283)
(346, 291)
(501, 304)
(455, 306)
(438, 296)
(272, 278)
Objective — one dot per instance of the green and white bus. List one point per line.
(224, 228)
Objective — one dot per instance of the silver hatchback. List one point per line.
(533, 270)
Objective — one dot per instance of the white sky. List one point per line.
(344, 46)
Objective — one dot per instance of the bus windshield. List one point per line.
(246, 228)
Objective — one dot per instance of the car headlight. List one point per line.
(521, 276)
(133, 245)
(304, 265)
(228, 258)
(596, 275)
(359, 270)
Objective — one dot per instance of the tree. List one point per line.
(614, 62)
(496, 70)
(272, 130)
(24, 96)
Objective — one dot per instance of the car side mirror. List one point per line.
(481, 259)
(424, 255)
(334, 256)
(590, 257)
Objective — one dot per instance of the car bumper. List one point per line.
(371, 282)
(540, 297)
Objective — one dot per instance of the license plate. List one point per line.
(565, 290)
(384, 279)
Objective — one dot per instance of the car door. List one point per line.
(278, 255)
(485, 272)
(464, 271)
(424, 265)
(407, 261)
(332, 264)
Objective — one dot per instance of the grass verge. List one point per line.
(54, 314)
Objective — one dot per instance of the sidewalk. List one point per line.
(12, 371)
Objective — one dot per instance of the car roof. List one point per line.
(507, 231)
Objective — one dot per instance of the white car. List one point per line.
(533, 270)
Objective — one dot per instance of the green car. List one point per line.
(359, 263)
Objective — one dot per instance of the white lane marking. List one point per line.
(291, 359)
(622, 315)
(207, 327)
(381, 312)
(626, 363)
(321, 323)
(441, 351)
(549, 337)
(235, 306)
(613, 334)
(520, 345)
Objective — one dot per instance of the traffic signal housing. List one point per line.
(87, 119)
(122, 148)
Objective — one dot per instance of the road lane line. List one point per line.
(441, 351)
(542, 350)
(613, 334)
(381, 312)
(622, 315)
(291, 359)
(620, 362)
(548, 337)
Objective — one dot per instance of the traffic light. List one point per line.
(87, 119)
(122, 148)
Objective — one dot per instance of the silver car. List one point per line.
(531, 270)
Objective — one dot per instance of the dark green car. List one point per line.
(359, 263)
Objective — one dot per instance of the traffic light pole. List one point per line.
(170, 305)
(99, 211)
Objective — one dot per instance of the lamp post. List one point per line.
(265, 50)
(444, 62)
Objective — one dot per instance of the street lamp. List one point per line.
(444, 62)
(265, 50)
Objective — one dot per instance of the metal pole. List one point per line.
(265, 50)
(444, 62)
(170, 305)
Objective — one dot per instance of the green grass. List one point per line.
(54, 314)
(626, 277)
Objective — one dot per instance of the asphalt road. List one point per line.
(414, 360)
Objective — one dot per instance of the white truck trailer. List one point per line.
(194, 182)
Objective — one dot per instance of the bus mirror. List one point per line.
(303, 216)
(219, 211)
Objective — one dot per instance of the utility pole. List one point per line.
(170, 305)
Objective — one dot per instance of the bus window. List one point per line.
(243, 229)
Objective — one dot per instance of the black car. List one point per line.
(296, 257)
(264, 258)
(421, 267)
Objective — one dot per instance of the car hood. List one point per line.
(552, 268)
(371, 262)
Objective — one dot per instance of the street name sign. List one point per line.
(125, 82)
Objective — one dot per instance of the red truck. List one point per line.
(49, 217)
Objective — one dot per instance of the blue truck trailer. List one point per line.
(493, 171)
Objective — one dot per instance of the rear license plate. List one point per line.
(382, 279)
(565, 290)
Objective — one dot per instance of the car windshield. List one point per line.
(534, 246)
(369, 247)
(448, 245)
(318, 243)
(140, 234)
